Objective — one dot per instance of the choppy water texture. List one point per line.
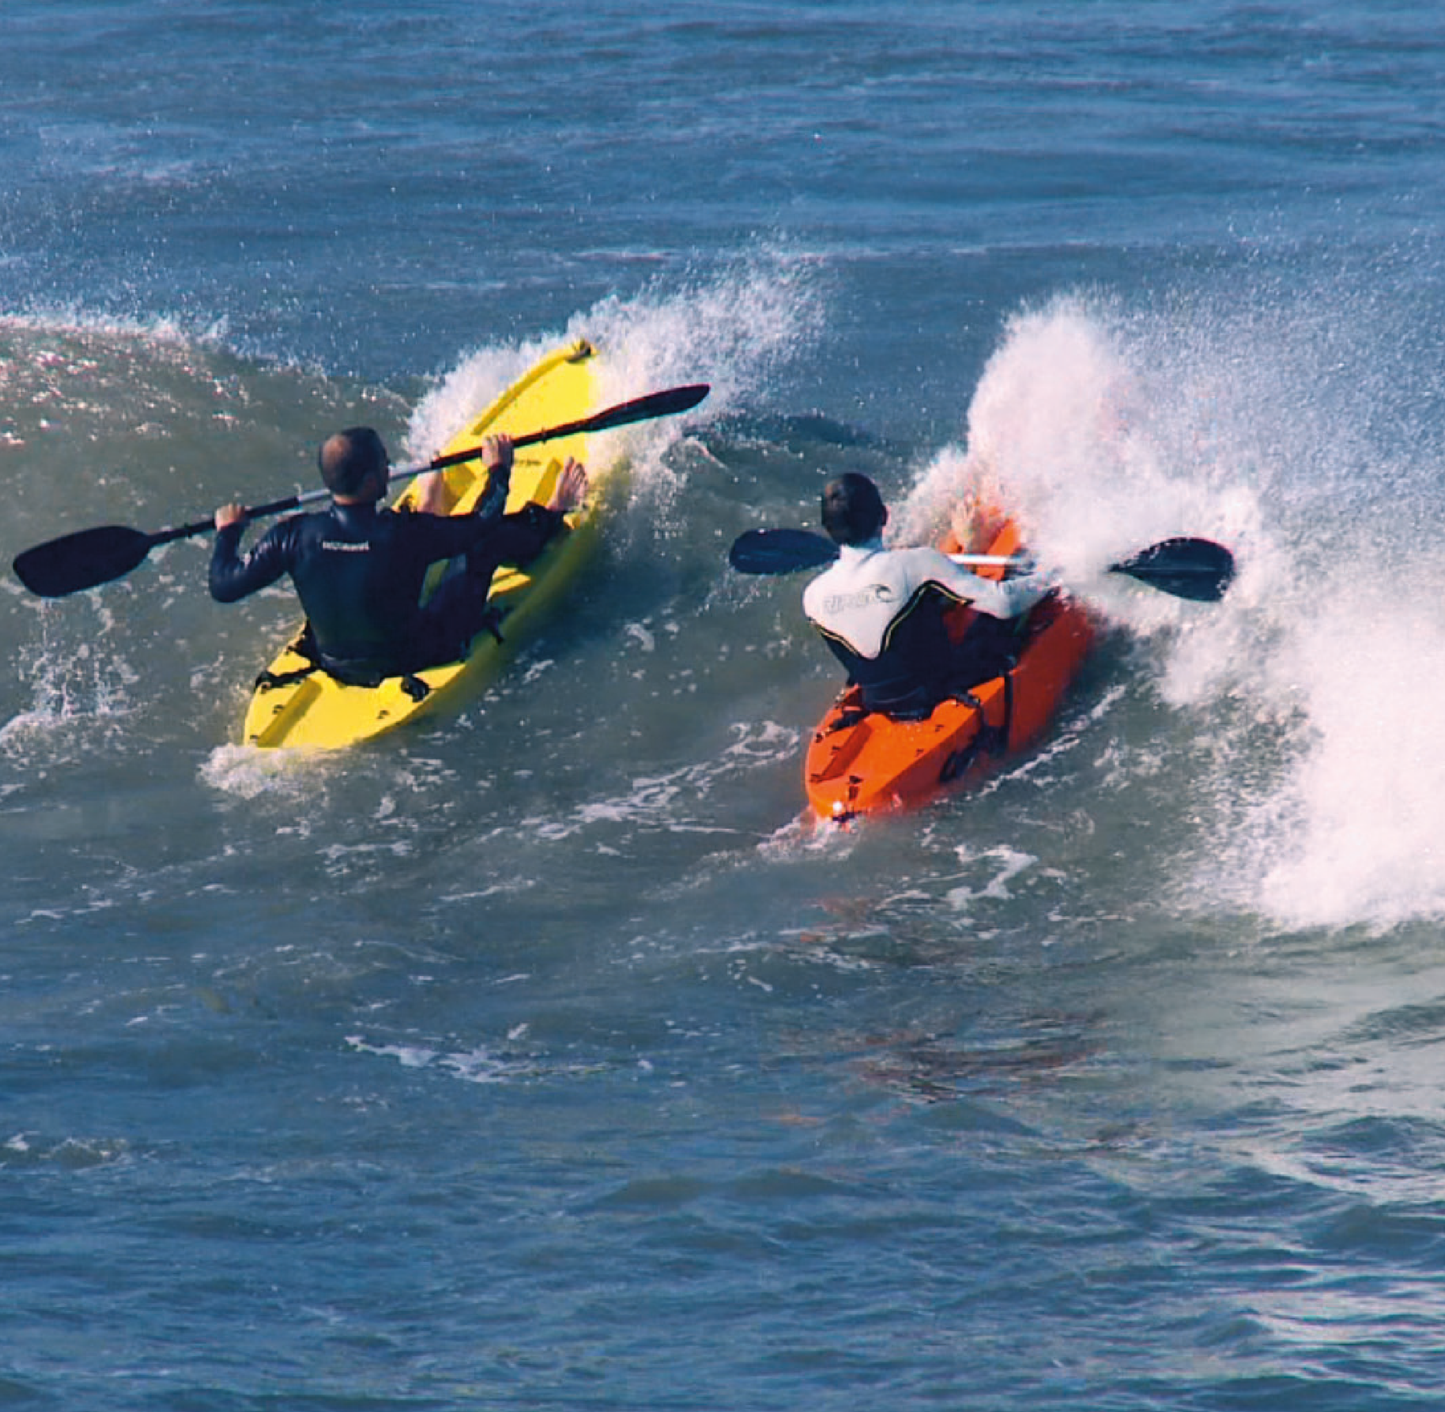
(545, 1058)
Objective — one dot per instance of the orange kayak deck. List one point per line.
(862, 762)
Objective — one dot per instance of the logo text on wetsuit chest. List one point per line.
(342, 546)
(849, 602)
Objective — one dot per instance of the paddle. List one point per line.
(1198, 569)
(91, 557)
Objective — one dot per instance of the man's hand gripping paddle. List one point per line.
(91, 557)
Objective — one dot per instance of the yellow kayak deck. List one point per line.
(318, 711)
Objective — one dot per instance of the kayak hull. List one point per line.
(316, 711)
(861, 762)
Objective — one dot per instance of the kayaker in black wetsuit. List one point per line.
(882, 610)
(359, 569)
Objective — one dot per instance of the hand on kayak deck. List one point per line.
(571, 488)
(229, 515)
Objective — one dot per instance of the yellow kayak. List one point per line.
(315, 710)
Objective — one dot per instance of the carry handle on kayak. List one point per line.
(92, 557)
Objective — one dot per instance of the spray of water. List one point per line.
(1294, 429)
(730, 329)
(1304, 427)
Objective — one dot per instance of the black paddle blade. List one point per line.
(1198, 569)
(780, 551)
(641, 409)
(655, 404)
(96, 556)
(81, 560)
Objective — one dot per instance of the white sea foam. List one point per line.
(1353, 835)
(1310, 692)
(165, 334)
(730, 331)
(1000, 865)
(75, 691)
(248, 773)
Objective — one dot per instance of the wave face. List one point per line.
(545, 1055)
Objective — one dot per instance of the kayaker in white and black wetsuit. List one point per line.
(882, 610)
(359, 569)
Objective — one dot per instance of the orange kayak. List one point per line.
(861, 762)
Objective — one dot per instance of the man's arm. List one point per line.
(999, 598)
(447, 536)
(233, 577)
(495, 453)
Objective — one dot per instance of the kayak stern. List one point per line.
(861, 762)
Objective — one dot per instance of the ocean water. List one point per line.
(545, 1057)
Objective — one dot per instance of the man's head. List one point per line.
(853, 511)
(354, 464)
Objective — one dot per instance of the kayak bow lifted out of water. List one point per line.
(861, 762)
(294, 704)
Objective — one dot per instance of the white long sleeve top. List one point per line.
(870, 588)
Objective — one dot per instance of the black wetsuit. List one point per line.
(359, 572)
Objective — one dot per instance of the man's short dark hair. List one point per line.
(853, 510)
(348, 457)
